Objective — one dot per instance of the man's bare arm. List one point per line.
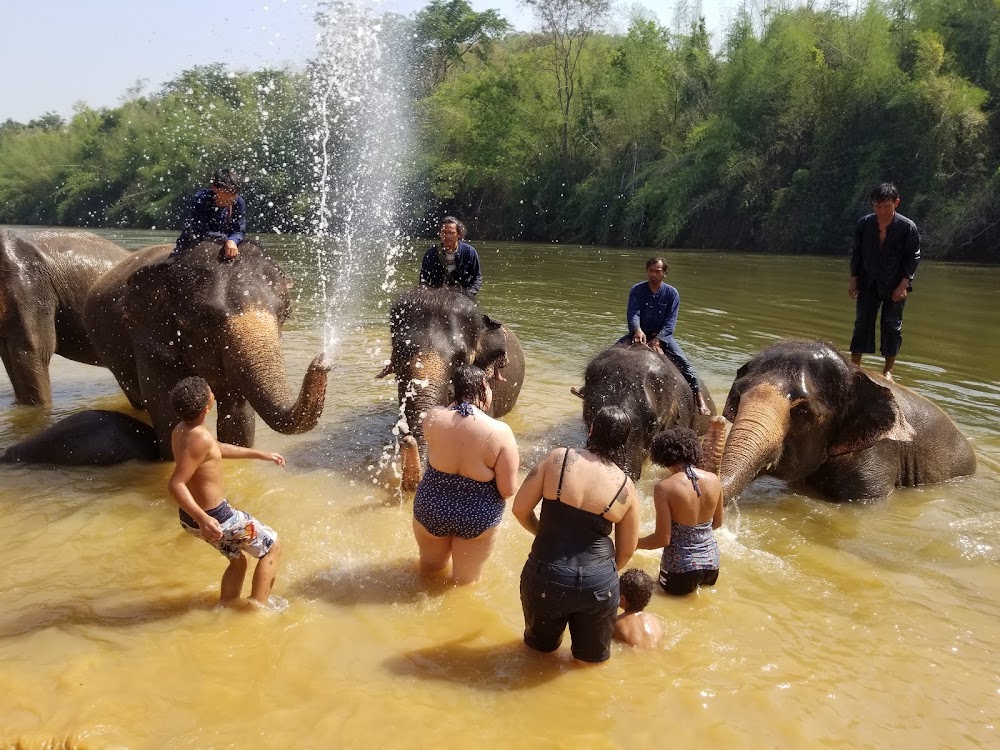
(238, 451)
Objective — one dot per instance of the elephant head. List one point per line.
(159, 318)
(434, 331)
(44, 278)
(650, 389)
(802, 413)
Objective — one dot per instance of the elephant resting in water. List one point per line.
(650, 389)
(44, 278)
(802, 413)
(155, 319)
(434, 331)
(88, 438)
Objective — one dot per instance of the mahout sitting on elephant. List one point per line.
(651, 390)
(804, 414)
(156, 320)
(433, 332)
(44, 278)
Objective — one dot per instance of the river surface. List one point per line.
(864, 626)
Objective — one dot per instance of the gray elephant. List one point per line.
(88, 438)
(44, 278)
(802, 413)
(434, 331)
(156, 319)
(650, 389)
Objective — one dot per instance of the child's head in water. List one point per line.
(636, 587)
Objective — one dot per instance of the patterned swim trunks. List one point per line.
(241, 532)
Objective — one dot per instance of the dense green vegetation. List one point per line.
(768, 139)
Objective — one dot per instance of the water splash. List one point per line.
(361, 109)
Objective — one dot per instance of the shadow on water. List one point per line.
(104, 612)
(488, 667)
(396, 582)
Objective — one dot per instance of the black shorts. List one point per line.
(585, 598)
(679, 584)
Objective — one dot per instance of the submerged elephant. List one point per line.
(434, 331)
(156, 319)
(802, 413)
(88, 438)
(44, 278)
(650, 389)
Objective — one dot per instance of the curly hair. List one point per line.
(637, 588)
(674, 445)
(190, 397)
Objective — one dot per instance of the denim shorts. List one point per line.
(585, 598)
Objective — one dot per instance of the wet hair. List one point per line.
(657, 259)
(458, 225)
(189, 397)
(637, 588)
(676, 444)
(609, 431)
(884, 192)
(228, 180)
(470, 385)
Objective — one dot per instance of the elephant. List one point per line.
(434, 331)
(156, 318)
(802, 413)
(44, 278)
(651, 390)
(88, 438)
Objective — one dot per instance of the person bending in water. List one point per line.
(571, 575)
(197, 486)
(471, 468)
(635, 627)
(688, 505)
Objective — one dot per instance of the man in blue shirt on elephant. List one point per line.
(217, 212)
(652, 316)
(884, 259)
(452, 262)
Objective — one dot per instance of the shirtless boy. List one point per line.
(635, 627)
(197, 486)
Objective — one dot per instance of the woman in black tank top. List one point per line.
(571, 575)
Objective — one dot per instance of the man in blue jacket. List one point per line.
(452, 262)
(884, 259)
(652, 316)
(217, 212)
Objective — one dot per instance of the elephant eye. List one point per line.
(801, 410)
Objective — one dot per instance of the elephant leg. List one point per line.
(26, 359)
(237, 420)
(158, 379)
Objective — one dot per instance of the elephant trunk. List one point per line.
(423, 384)
(755, 440)
(258, 371)
(712, 444)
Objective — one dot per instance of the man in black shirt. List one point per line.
(884, 259)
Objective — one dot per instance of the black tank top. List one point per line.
(572, 536)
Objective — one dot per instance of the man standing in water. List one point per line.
(453, 262)
(217, 212)
(884, 259)
(197, 486)
(652, 316)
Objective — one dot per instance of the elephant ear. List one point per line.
(491, 349)
(873, 414)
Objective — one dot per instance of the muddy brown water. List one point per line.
(831, 625)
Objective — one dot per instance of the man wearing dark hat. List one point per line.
(217, 212)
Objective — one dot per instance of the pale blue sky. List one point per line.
(54, 53)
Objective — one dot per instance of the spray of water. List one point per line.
(361, 110)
